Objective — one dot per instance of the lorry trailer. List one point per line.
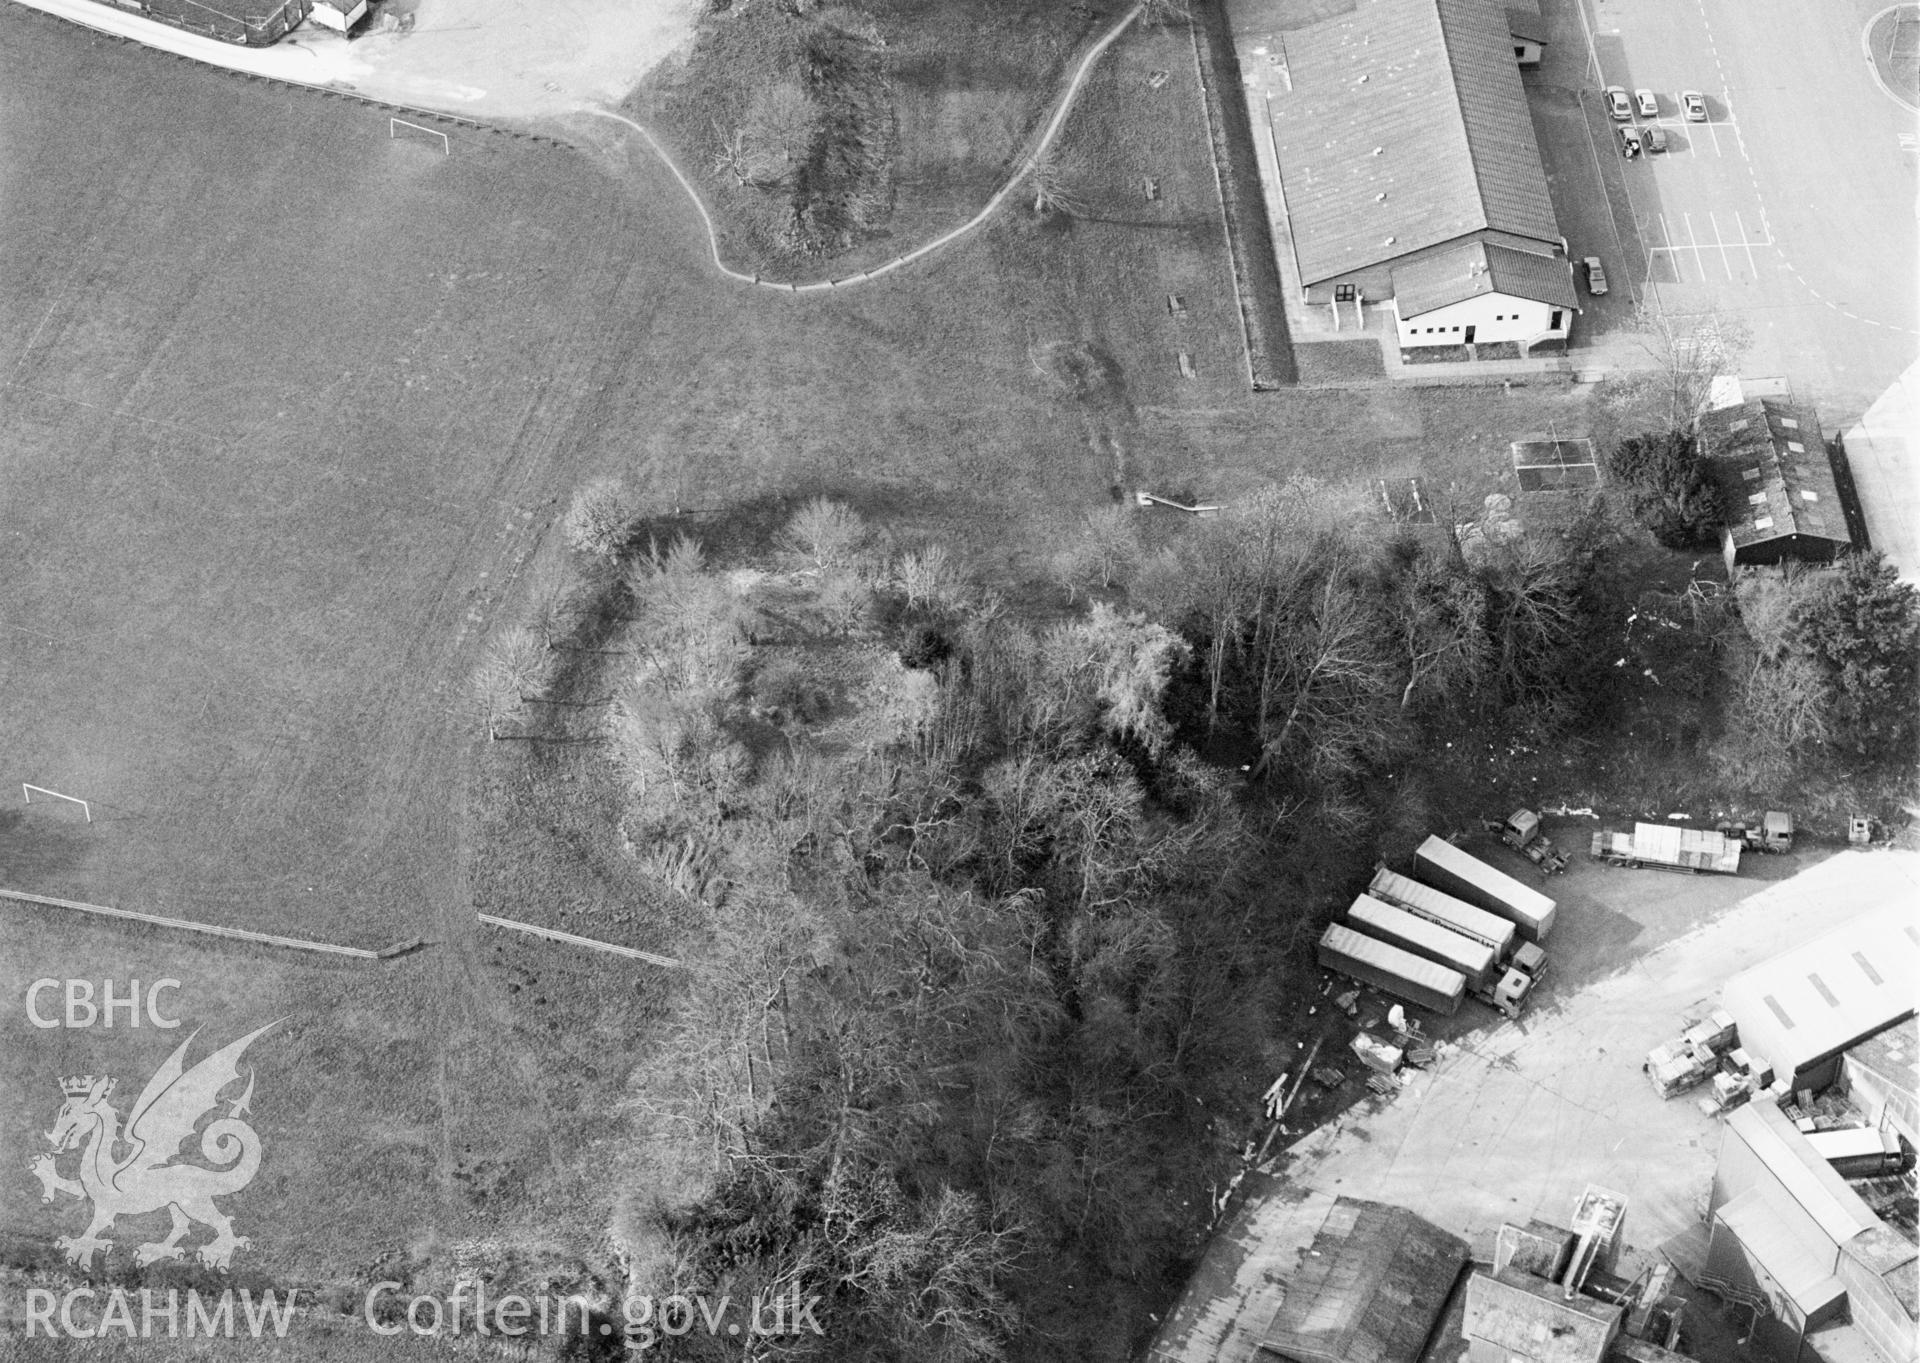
(1475, 960)
(1859, 1151)
(1392, 969)
(1446, 867)
(1667, 847)
(1426, 902)
(1488, 979)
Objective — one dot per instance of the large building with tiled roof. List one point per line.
(1410, 171)
(1779, 498)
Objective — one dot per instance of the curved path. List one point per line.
(1062, 108)
(1873, 63)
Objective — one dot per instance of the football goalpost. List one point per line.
(30, 791)
(394, 125)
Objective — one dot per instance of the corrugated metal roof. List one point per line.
(1766, 1235)
(1530, 1319)
(1773, 472)
(1370, 1289)
(1406, 127)
(1870, 968)
(1800, 1171)
(1474, 269)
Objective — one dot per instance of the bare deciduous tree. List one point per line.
(518, 668)
(1057, 183)
(826, 534)
(600, 518)
(1688, 351)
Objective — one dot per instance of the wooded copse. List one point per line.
(986, 943)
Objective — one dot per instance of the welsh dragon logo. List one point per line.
(144, 1178)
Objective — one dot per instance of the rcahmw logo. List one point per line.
(146, 1178)
(78, 1314)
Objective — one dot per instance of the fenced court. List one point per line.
(1555, 465)
(415, 132)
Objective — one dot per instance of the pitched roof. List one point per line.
(1800, 1172)
(1766, 1232)
(1404, 126)
(1525, 23)
(1534, 1320)
(1823, 996)
(1370, 1289)
(1474, 268)
(1773, 470)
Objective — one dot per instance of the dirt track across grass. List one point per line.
(276, 455)
(1063, 106)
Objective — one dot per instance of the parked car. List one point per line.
(1617, 103)
(1596, 277)
(1655, 137)
(1694, 104)
(1646, 102)
(1629, 141)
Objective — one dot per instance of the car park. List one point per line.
(1655, 137)
(1629, 142)
(1596, 276)
(1694, 104)
(1619, 107)
(1647, 103)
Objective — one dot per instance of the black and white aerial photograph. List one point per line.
(959, 681)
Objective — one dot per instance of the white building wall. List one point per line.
(1493, 317)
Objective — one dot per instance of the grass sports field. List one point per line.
(286, 406)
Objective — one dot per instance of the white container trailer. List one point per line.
(1424, 937)
(1392, 969)
(1858, 1151)
(1462, 917)
(1488, 978)
(1446, 867)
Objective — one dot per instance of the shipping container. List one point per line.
(1424, 937)
(1446, 867)
(1391, 969)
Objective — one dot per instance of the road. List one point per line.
(1792, 207)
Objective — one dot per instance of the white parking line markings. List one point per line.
(1697, 249)
(1748, 245)
(1721, 243)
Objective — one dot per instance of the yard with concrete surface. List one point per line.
(1515, 1123)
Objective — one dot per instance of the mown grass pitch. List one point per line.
(288, 404)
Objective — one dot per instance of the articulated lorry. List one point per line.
(1487, 979)
(1668, 848)
(1392, 969)
(1509, 947)
(1440, 864)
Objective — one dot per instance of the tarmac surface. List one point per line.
(1515, 1123)
(488, 60)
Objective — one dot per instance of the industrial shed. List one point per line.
(1787, 1228)
(1369, 1290)
(1779, 497)
(1803, 1008)
(1514, 1317)
(1410, 171)
(1882, 1078)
